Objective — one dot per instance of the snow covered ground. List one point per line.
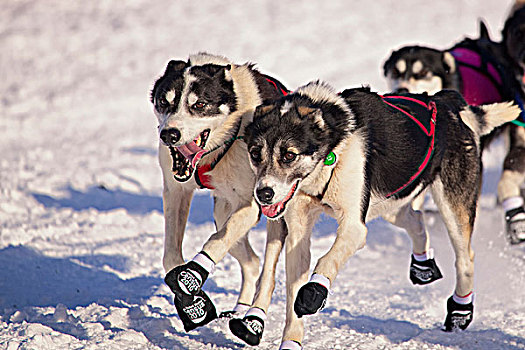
(81, 224)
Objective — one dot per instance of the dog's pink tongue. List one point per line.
(271, 210)
(192, 152)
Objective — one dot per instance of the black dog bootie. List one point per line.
(515, 224)
(195, 310)
(186, 279)
(310, 299)
(249, 329)
(459, 316)
(424, 272)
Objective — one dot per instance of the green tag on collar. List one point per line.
(330, 159)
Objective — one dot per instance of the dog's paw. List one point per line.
(195, 310)
(424, 272)
(459, 316)
(310, 299)
(249, 329)
(186, 279)
(515, 220)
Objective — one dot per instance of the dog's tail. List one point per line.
(483, 119)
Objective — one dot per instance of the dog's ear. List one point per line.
(215, 70)
(262, 110)
(449, 62)
(483, 30)
(387, 66)
(175, 66)
(312, 113)
(228, 72)
(218, 71)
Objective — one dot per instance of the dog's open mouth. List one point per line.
(186, 157)
(275, 210)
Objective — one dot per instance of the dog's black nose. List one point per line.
(265, 194)
(170, 136)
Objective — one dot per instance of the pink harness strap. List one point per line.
(480, 84)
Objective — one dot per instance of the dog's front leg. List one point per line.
(240, 222)
(300, 219)
(193, 305)
(188, 279)
(277, 232)
(351, 236)
(250, 328)
(176, 203)
(244, 254)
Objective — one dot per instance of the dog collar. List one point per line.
(330, 159)
(521, 119)
(201, 172)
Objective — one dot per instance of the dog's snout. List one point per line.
(170, 136)
(265, 194)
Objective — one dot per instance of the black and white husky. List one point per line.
(483, 72)
(203, 106)
(356, 156)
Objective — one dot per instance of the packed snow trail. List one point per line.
(81, 226)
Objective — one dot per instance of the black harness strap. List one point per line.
(320, 196)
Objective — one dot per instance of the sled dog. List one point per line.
(203, 106)
(356, 156)
(483, 72)
(514, 164)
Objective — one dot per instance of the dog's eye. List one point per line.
(199, 105)
(394, 74)
(289, 157)
(423, 73)
(255, 154)
(163, 103)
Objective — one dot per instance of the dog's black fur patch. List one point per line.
(395, 142)
(172, 79)
(213, 89)
(514, 38)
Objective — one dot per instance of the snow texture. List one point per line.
(81, 226)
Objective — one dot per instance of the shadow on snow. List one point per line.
(398, 332)
(102, 199)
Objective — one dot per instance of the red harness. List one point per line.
(429, 130)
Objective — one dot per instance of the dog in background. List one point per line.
(514, 165)
(346, 154)
(481, 70)
(202, 106)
